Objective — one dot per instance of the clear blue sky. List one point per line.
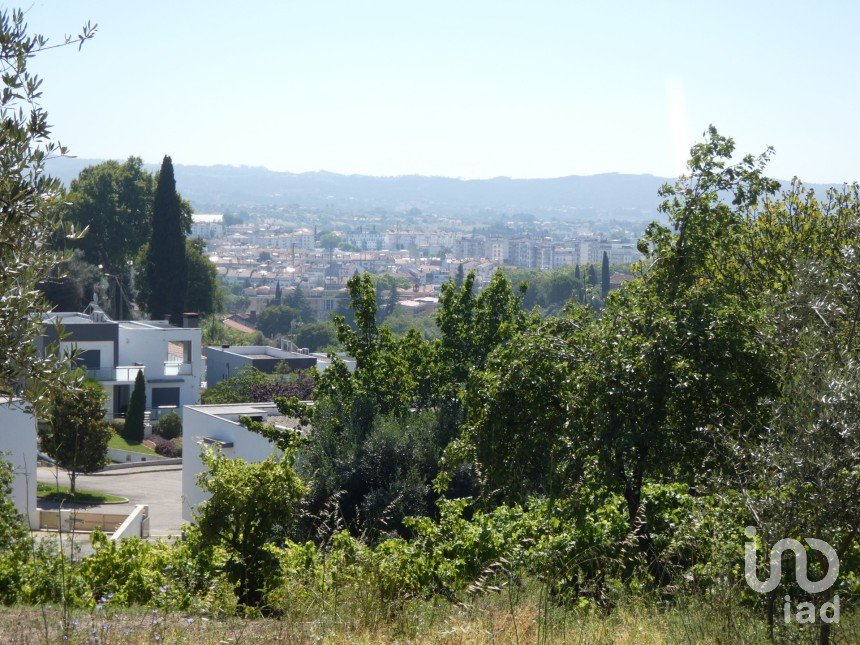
(467, 88)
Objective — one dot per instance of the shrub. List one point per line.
(169, 426)
(165, 447)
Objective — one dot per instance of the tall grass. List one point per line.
(516, 615)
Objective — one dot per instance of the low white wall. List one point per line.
(124, 456)
(18, 439)
(135, 525)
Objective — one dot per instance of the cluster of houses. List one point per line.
(175, 368)
(259, 257)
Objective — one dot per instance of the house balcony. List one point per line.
(119, 374)
(175, 368)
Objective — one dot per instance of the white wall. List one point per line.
(18, 438)
(148, 346)
(200, 421)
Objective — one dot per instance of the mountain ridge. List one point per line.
(218, 186)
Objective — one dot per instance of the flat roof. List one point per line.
(268, 410)
(74, 318)
(245, 409)
(258, 351)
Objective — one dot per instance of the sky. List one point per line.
(468, 88)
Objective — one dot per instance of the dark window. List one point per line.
(164, 396)
(90, 359)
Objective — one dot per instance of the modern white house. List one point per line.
(18, 447)
(113, 352)
(217, 426)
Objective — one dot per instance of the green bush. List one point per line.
(169, 426)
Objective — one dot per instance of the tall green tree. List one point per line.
(679, 358)
(166, 264)
(77, 435)
(134, 430)
(591, 277)
(113, 201)
(27, 221)
(204, 294)
(604, 276)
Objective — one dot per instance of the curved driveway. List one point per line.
(160, 487)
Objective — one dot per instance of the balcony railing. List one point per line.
(172, 368)
(119, 374)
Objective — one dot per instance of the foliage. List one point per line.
(330, 240)
(203, 293)
(382, 382)
(250, 506)
(317, 336)
(295, 299)
(166, 264)
(473, 325)
(169, 426)
(277, 320)
(133, 429)
(519, 406)
(77, 435)
(27, 224)
(113, 201)
(71, 285)
(252, 385)
(165, 447)
(12, 527)
(374, 477)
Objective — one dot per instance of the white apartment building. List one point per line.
(207, 226)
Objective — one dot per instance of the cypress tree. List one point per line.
(592, 275)
(166, 265)
(136, 409)
(278, 293)
(604, 276)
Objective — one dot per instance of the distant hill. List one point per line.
(609, 194)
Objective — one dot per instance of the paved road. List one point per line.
(158, 486)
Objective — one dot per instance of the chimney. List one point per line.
(189, 320)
